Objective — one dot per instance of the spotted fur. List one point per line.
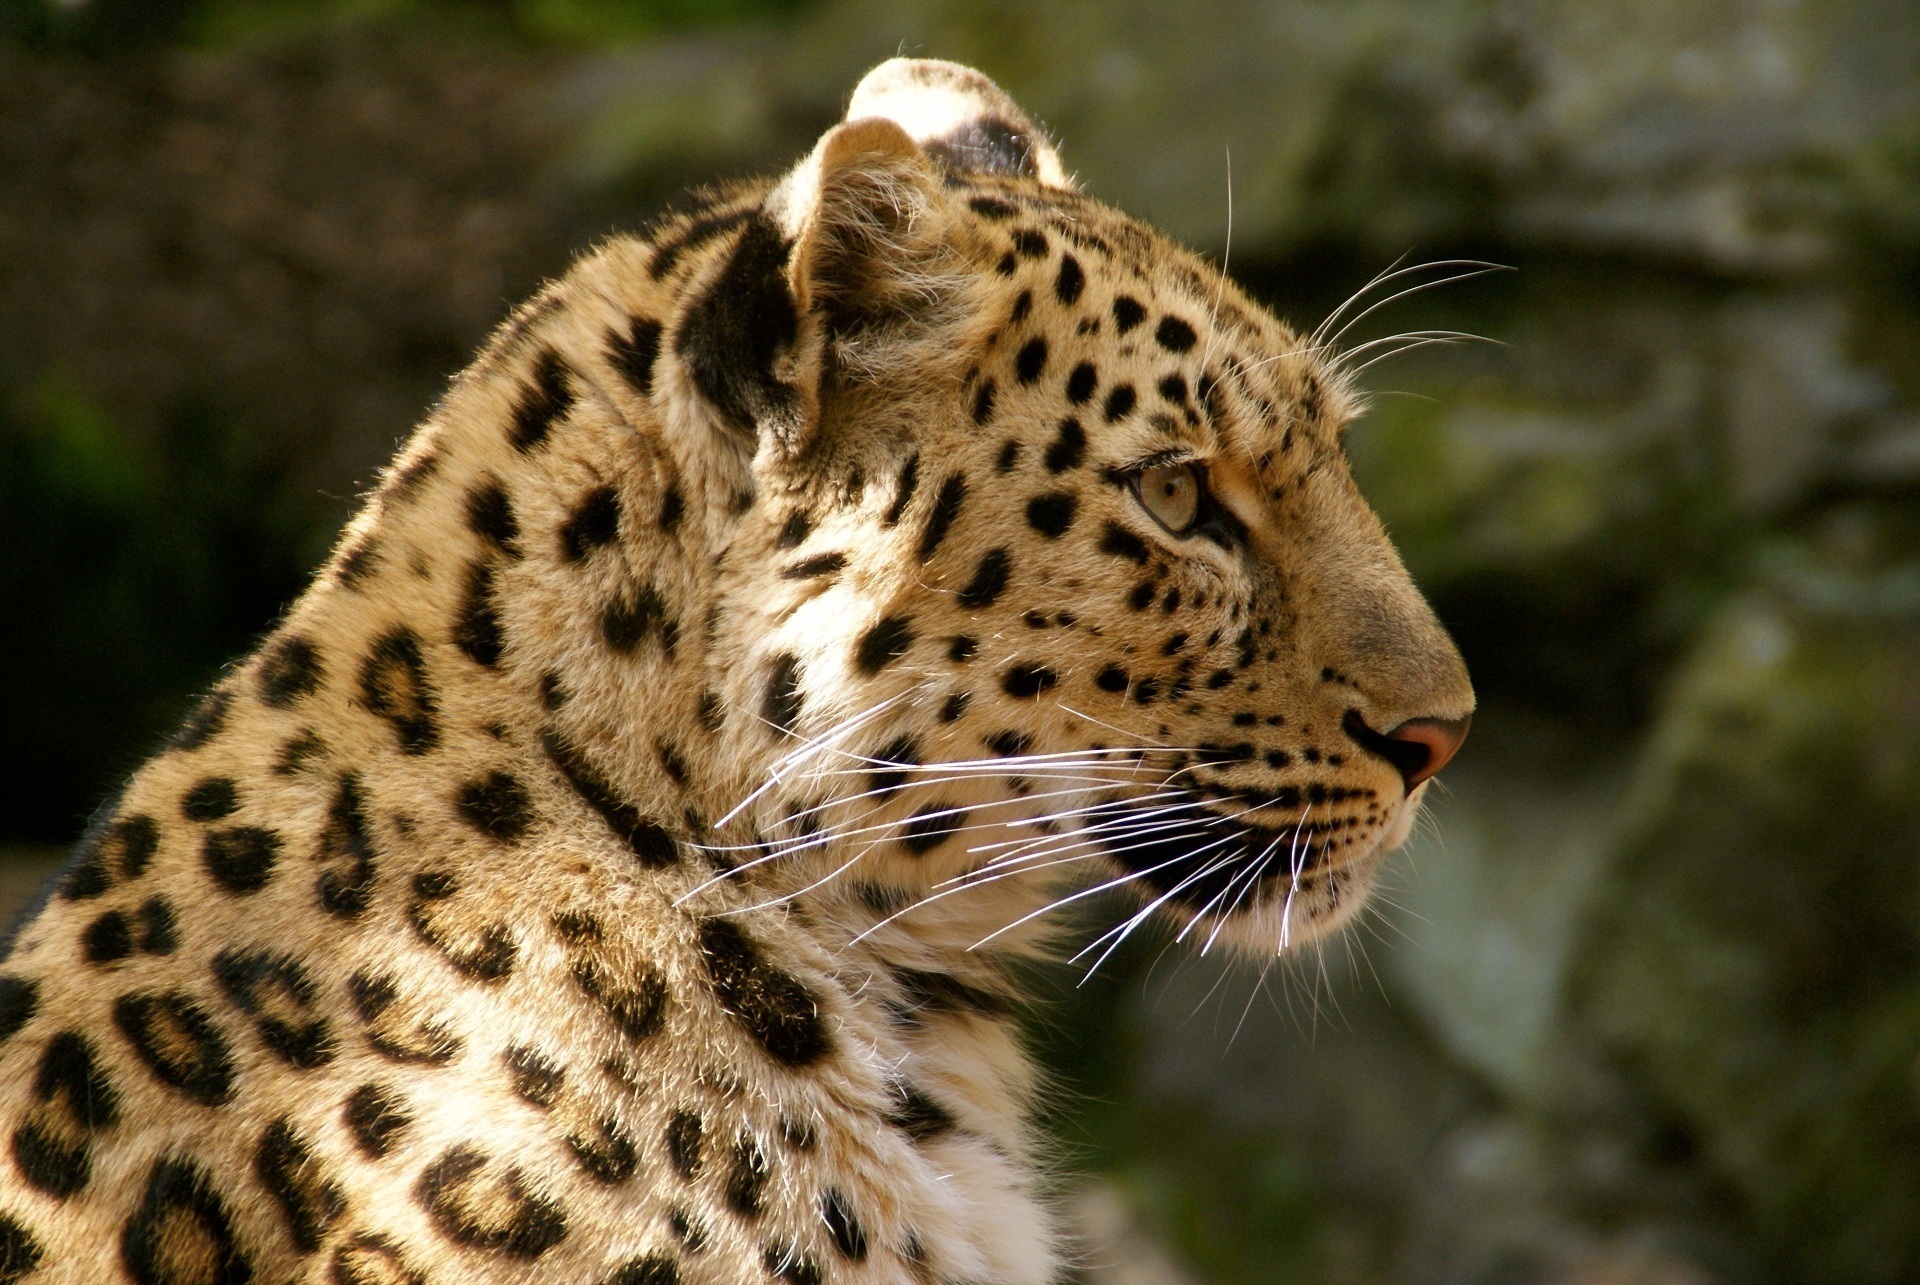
(583, 882)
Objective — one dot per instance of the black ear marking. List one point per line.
(734, 333)
(985, 146)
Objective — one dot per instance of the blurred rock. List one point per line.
(1755, 965)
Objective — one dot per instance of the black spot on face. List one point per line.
(819, 567)
(1068, 449)
(496, 805)
(241, 858)
(157, 932)
(961, 648)
(775, 1007)
(634, 353)
(20, 1251)
(290, 671)
(685, 1135)
(394, 686)
(376, 1117)
(534, 1078)
(946, 507)
(345, 851)
(798, 527)
(747, 1176)
(789, 1266)
(1052, 513)
(1009, 744)
(1081, 383)
(358, 562)
(1024, 682)
(483, 949)
(1174, 389)
(1070, 281)
(181, 1231)
(629, 618)
(649, 1269)
(542, 401)
(1175, 335)
(1112, 679)
(1142, 596)
(1021, 307)
(476, 1202)
(276, 992)
(294, 1176)
(930, 827)
(632, 992)
(115, 851)
(882, 644)
(1127, 313)
(1030, 244)
(903, 492)
(53, 1146)
(302, 750)
(992, 207)
(917, 1114)
(652, 845)
(989, 580)
(373, 1260)
(490, 516)
(1031, 360)
(782, 704)
(955, 706)
(1120, 403)
(108, 938)
(476, 626)
(1009, 456)
(19, 1000)
(178, 1042)
(212, 800)
(896, 761)
(392, 1028)
(983, 402)
(594, 523)
(1123, 543)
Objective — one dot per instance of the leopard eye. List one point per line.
(1170, 493)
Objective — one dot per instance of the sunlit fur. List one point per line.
(755, 645)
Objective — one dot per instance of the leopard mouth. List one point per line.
(1185, 853)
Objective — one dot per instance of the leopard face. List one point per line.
(1054, 561)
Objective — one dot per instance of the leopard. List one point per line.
(627, 861)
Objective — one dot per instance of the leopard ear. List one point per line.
(963, 121)
(847, 249)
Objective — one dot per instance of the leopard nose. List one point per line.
(1419, 747)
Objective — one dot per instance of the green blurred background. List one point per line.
(1641, 1004)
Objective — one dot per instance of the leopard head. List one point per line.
(1053, 561)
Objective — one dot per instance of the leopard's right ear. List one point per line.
(962, 120)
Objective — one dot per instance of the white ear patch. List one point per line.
(963, 121)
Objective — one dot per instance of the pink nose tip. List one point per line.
(1419, 747)
(1440, 738)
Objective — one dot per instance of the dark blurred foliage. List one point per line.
(110, 27)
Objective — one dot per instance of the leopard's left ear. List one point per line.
(963, 121)
(844, 276)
